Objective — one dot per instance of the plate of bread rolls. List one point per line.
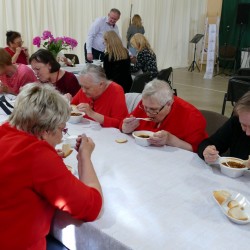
(234, 205)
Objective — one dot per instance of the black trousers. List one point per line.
(54, 244)
(96, 54)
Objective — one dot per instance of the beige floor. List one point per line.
(202, 93)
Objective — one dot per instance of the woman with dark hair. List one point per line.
(47, 69)
(18, 53)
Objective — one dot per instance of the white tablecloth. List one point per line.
(154, 198)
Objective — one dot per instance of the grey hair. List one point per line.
(38, 108)
(159, 91)
(96, 72)
(243, 104)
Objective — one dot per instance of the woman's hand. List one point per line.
(86, 108)
(60, 152)
(160, 138)
(129, 125)
(210, 154)
(69, 97)
(84, 146)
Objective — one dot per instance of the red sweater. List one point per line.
(184, 121)
(111, 104)
(34, 182)
(21, 58)
(68, 84)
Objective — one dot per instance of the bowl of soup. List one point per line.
(232, 167)
(142, 137)
(75, 117)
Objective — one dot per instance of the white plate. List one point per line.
(244, 203)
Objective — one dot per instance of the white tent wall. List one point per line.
(169, 24)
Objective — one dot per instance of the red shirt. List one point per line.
(111, 104)
(184, 121)
(22, 76)
(21, 58)
(68, 84)
(34, 182)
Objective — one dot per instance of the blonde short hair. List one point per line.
(38, 108)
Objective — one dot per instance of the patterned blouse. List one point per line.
(146, 61)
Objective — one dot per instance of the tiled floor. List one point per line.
(202, 93)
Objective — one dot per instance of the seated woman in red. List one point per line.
(101, 100)
(175, 122)
(35, 179)
(18, 53)
(48, 69)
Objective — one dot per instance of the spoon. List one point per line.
(144, 119)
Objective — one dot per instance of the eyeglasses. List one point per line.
(152, 111)
(19, 42)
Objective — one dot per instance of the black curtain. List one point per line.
(235, 25)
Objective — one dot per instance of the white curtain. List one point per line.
(169, 24)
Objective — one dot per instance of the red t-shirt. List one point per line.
(34, 182)
(21, 58)
(68, 84)
(184, 121)
(111, 104)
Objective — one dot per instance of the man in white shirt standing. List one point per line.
(94, 46)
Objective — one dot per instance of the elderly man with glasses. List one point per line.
(175, 122)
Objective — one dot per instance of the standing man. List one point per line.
(94, 46)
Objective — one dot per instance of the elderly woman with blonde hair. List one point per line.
(34, 176)
(116, 61)
(146, 58)
(174, 121)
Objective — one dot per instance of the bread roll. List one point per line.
(66, 149)
(237, 213)
(233, 203)
(221, 196)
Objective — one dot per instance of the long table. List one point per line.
(154, 198)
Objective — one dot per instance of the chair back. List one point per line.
(166, 75)
(237, 87)
(132, 100)
(73, 57)
(227, 52)
(214, 121)
(139, 82)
